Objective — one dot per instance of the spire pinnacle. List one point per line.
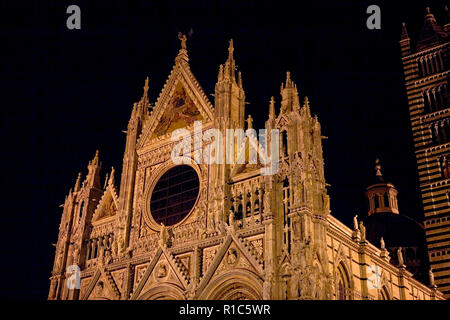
(429, 16)
(146, 86)
(94, 161)
(78, 182)
(230, 50)
(404, 34)
(144, 98)
(220, 75)
(230, 66)
(272, 108)
(306, 102)
(93, 177)
(289, 83)
(111, 177)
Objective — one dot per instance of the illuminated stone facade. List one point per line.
(248, 235)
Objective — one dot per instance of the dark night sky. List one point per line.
(67, 93)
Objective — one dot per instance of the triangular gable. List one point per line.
(234, 258)
(143, 281)
(340, 255)
(101, 287)
(181, 102)
(107, 206)
(243, 154)
(180, 112)
(162, 268)
(233, 253)
(285, 260)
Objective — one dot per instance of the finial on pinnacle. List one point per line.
(272, 108)
(94, 161)
(182, 38)
(78, 182)
(429, 16)
(111, 177)
(306, 102)
(288, 78)
(378, 167)
(146, 85)
(230, 48)
(145, 94)
(404, 34)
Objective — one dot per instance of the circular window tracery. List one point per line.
(174, 195)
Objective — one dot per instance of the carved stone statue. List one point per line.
(401, 262)
(355, 222)
(232, 256)
(383, 245)
(107, 258)
(431, 276)
(231, 219)
(249, 122)
(163, 235)
(118, 244)
(329, 288)
(362, 229)
(99, 289)
(182, 38)
(76, 253)
(162, 271)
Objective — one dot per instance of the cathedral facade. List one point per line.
(221, 230)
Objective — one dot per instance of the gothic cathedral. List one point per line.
(222, 230)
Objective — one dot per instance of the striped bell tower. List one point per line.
(426, 71)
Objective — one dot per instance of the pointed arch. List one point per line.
(343, 283)
(240, 212)
(256, 208)
(163, 291)
(284, 143)
(234, 285)
(384, 294)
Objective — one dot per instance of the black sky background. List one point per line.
(66, 93)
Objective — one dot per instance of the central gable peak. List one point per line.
(181, 101)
